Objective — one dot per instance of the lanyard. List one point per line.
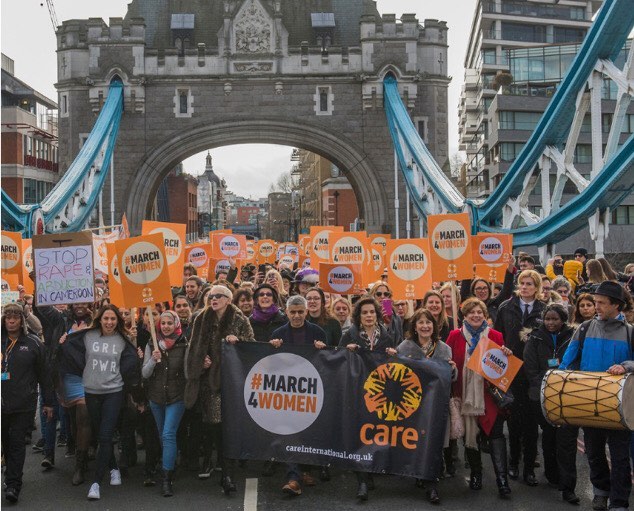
(5, 358)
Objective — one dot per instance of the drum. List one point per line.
(596, 400)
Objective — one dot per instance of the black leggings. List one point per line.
(104, 412)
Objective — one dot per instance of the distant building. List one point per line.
(177, 201)
(29, 139)
(281, 223)
(212, 192)
(323, 195)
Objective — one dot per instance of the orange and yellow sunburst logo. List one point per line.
(377, 402)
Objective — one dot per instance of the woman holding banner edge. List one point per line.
(424, 342)
(483, 420)
(367, 333)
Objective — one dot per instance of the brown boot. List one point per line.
(81, 460)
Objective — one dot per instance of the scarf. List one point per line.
(472, 388)
(264, 315)
(475, 334)
(166, 342)
(368, 341)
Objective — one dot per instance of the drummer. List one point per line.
(605, 344)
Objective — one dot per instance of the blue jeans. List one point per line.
(167, 418)
(49, 428)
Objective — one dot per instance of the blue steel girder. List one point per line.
(604, 40)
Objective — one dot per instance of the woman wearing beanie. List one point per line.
(219, 321)
(164, 370)
(266, 316)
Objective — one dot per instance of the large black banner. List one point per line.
(362, 411)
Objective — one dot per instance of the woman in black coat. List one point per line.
(544, 349)
(266, 316)
(367, 333)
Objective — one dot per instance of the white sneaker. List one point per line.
(115, 477)
(93, 493)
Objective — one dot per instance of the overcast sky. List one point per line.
(28, 38)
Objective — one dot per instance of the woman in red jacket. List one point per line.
(481, 415)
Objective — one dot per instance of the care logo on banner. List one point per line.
(284, 393)
(385, 382)
(174, 239)
(451, 256)
(490, 362)
(11, 252)
(144, 273)
(409, 274)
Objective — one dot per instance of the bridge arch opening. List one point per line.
(354, 164)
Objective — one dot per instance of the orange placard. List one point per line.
(218, 266)
(409, 269)
(374, 270)
(343, 279)
(491, 272)
(250, 258)
(490, 362)
(144, 270)
(125, 229)
(491, 248)
(114, 276)
(27, 266)
(380, 240)
(450, 244)
(304, 245)
(319, 246)
(348, 248)
(174, 239)
(265, 252)
(286, 261)
(199, 255)
(225, 246)
(12, 253)
(9, 282)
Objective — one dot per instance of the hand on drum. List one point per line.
(616, 369)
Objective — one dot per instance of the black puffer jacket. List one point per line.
(27, 367)
(166, 385)
(540, 348)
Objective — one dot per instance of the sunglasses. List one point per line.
(381, 294)
(215, 297)
(265, 294)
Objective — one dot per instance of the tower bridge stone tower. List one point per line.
(203, 74)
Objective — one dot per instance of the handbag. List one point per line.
(456, 420)
(503, 400)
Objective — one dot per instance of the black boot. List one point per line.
(226, 481)
(498, 456)
(450, 468)
(167, 483)
(81, 461)
(474, 458)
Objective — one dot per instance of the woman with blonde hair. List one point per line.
(446, 291)
(274, 278)
(341, 309)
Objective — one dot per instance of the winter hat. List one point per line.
(611, 290)
(276, 295)
(307, 276)
(581, 251)
(15, 308)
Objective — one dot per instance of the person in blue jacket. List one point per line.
(606, 347)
